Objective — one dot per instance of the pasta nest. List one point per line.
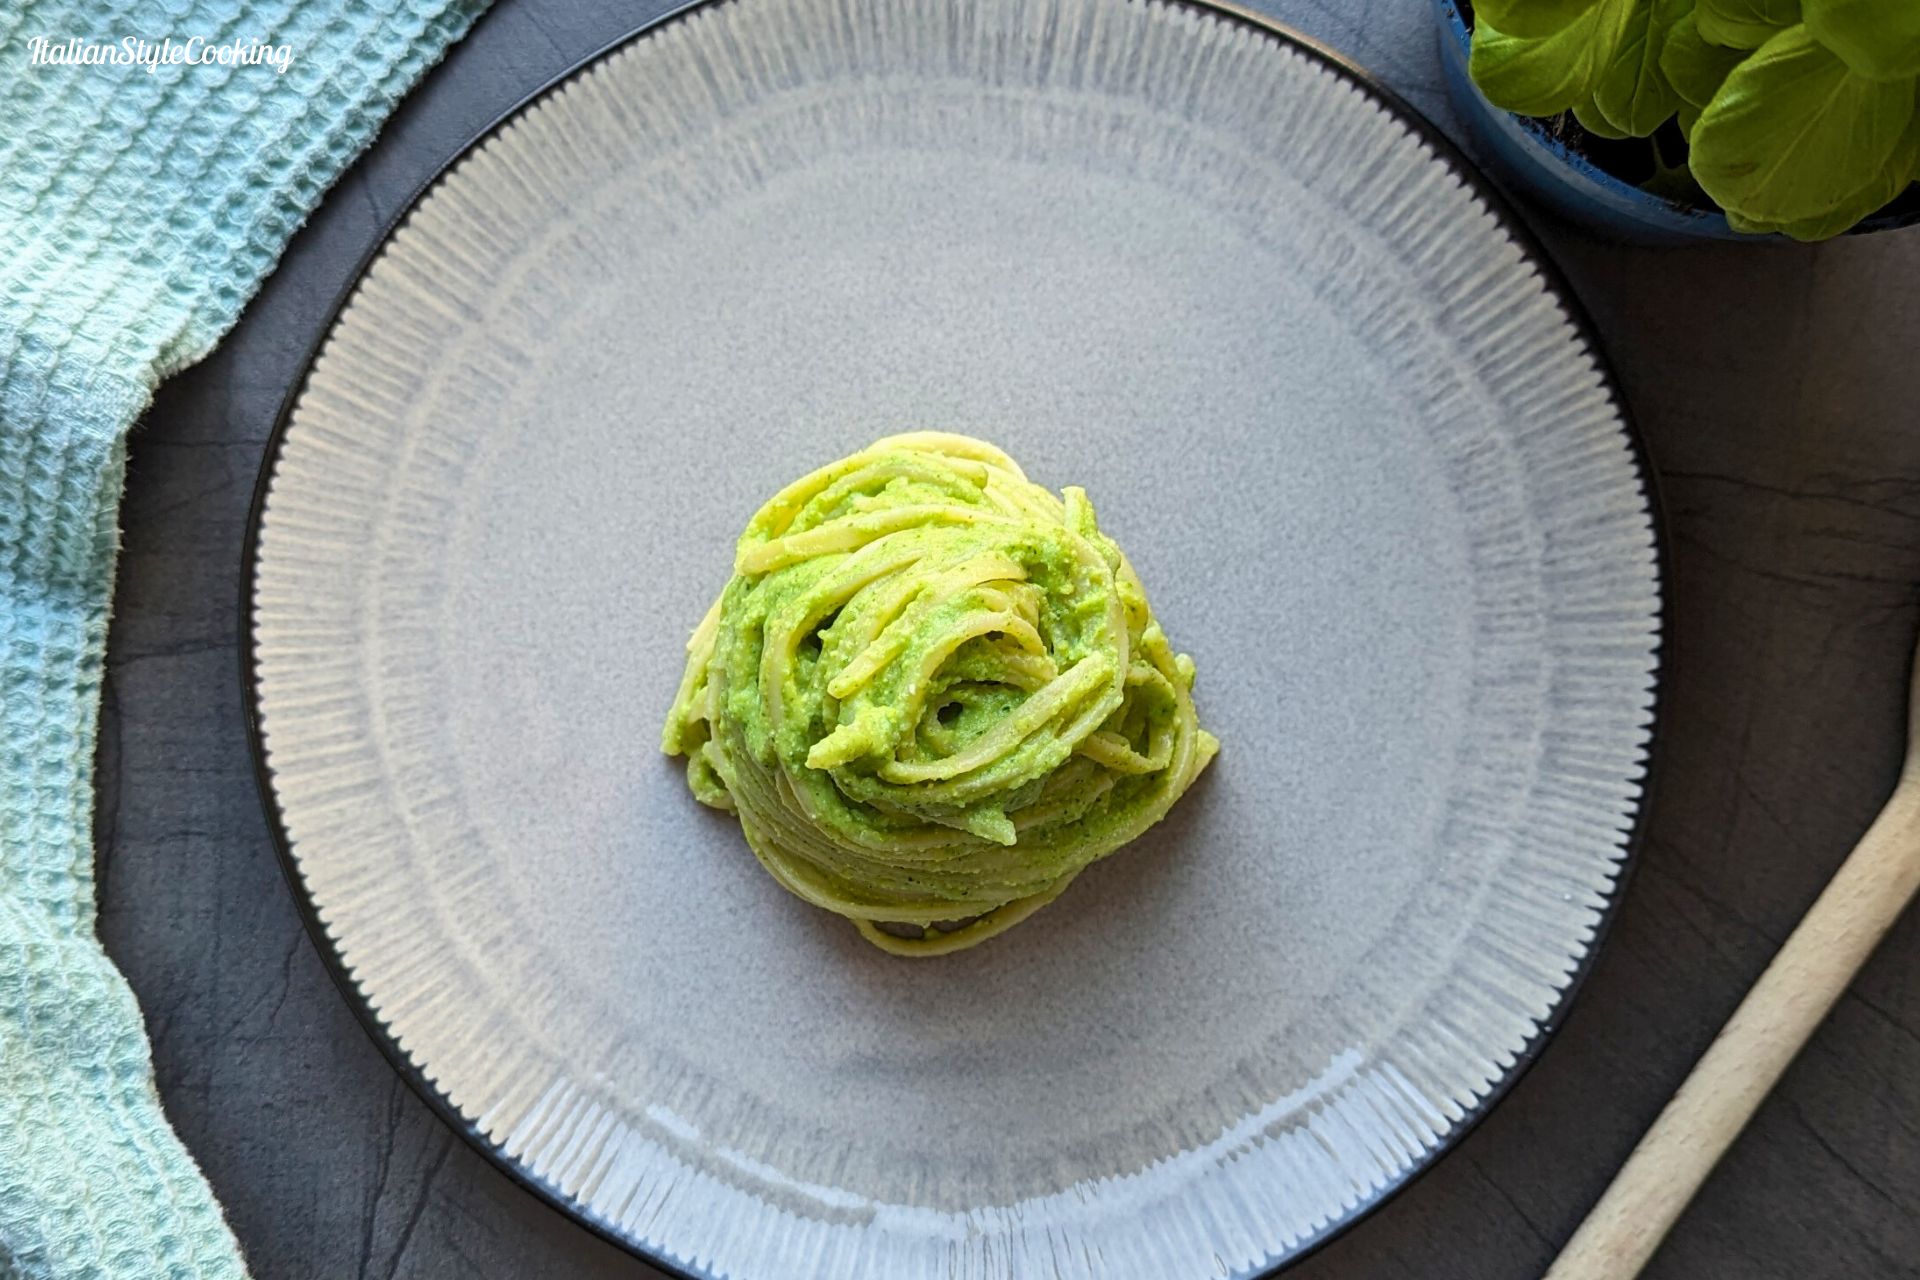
(933, 692)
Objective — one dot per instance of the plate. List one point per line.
(1354, 436)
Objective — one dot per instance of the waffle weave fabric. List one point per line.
(141, 203)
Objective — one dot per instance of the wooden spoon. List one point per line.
(1828, 947)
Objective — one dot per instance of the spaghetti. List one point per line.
(933, 692)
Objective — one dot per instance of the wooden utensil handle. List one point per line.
(1805, 979)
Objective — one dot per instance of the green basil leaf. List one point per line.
(1595, 121)
(1694, 66)
(1877, 38)
(1545, 75)
(1746, 24)
(1633, 92)
(1792, 133)
(1750, 227)
(1901, 169)
(1530, 17)
(1688, 116)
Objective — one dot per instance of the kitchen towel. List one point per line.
(154, 160)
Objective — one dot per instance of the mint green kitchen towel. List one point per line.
(154, 160)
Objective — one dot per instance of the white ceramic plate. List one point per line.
(1322, 391)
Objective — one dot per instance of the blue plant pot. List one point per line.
(1531, 160)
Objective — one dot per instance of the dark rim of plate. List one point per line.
(1448, 154)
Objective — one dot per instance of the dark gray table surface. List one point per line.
(1779, 390)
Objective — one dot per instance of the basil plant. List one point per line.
(1799, 115)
